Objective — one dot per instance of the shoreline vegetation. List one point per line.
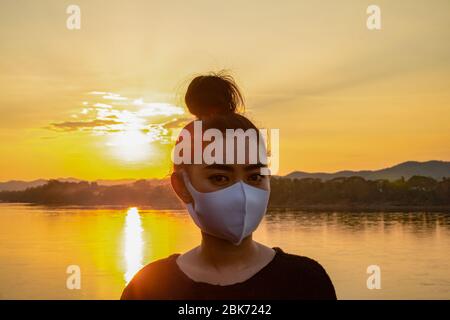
(352, 194)
(355, 208)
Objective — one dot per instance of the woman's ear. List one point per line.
(180, 189)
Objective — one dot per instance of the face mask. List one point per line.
(231, 213)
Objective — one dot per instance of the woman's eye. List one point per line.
(218, 179)
(255, 178)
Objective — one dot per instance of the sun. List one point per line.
(131, 145)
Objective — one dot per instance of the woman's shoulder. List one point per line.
(163, 265)
(295, 260)
(151, 279)
(308, 273)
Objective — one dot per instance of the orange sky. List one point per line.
(100, 102)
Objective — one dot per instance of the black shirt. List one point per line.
(286, 277)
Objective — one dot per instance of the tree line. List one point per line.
(54, 192)
(416, 191)
(285, 192)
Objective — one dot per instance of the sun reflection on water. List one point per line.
(133, 243)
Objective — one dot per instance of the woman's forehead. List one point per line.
(240, 147)
(246, 152)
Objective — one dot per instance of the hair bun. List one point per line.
(213, 94)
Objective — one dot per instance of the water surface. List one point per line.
(38, 243)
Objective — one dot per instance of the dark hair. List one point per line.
(212, 94)
(217, 101)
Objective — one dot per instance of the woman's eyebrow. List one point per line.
(254, 166)
(223, 167)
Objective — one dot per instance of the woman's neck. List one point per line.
(220, 262)
(222, 253)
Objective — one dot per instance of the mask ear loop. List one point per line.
(191, 206)
(188, 185)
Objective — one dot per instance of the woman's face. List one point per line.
(207, 178)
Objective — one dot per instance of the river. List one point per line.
(39, 243)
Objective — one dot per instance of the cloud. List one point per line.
(157, 109)
(177, 123)
(109, 113)
(82, 125)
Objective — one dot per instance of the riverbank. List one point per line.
(363, 208)
(306, 208)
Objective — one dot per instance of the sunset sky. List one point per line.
(101, 102)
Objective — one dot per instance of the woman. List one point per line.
(227, 200)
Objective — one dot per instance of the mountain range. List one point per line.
(434, 169)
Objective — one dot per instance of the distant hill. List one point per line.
(15, 185)
(434, 169)
(18, 185)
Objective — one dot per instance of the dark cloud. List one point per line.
(79, 125)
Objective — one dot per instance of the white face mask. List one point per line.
(231, 213)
